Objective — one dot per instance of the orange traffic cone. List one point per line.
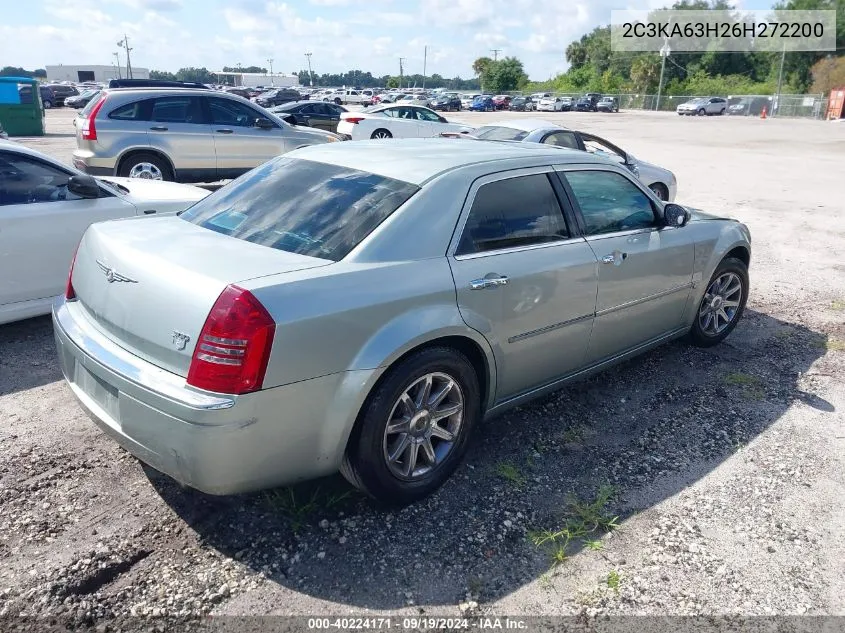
(763, 113)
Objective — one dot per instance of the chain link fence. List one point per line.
(807, 106)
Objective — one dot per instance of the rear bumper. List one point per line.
(86, 161)
(218, 444)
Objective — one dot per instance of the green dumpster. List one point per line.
(21, 110)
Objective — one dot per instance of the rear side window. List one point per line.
(513, 212)
(562, 139)
(302, 207)
(130, 112)
(498, 133)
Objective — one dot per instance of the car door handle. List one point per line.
(159, 128)
(224, 131)
(149, 211)
(488, 282)
(612, 258)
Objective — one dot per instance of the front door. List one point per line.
(523, 280)
(645, 269)
(239, 144)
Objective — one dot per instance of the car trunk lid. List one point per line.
(150, 288)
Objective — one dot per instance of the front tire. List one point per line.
(415, 427)
(702, 112)
(722, 305)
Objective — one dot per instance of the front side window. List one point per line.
(519, 211)
(610, 202)
(24, 180)
(231, 112)
(426, 115)
(562, 139)
(303, 207)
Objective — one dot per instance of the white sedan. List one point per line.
(554, 104)
(46, 206)
(395, 121)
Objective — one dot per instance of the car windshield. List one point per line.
(499, 133)
(301, 206)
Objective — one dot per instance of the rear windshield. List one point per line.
(498, 133)
(301, 206)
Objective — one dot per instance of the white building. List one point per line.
(93, 72)
(251, 80)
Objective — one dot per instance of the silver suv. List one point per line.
(181, 134)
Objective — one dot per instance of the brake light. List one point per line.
(234, 346)
(353, 119)
(70, 293)
(89, 126)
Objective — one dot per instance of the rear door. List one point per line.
(178, 126)
(41, 223)
(321, 115)
(240, 145)
(645, 268)
(524, 279)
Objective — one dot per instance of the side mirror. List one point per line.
(264, 124)
(83, 186)
(675, 215)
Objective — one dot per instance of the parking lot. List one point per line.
(725, 466)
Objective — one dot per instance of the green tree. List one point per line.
(828, 73)
(200, 75)
(506, 75)
(162, 74)
(392, 82)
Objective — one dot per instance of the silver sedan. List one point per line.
(363, 306)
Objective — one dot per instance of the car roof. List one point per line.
(526, 125)
(418, 160)
(13, 146)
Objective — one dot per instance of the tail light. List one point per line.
(89, 126)
(353, 119)
(234, 345)
(70, 293)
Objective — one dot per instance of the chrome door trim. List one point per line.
(658, 295)
(549, 328)
(518, 249)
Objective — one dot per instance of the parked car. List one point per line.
(277, 97)
(522, 104)
(501, 102)
(448, 101)
(240, 92)
(467, 99)
(391, 97)
(607, 104)
(62, 92)
(415, 99)
(180, 134)
(310, 113)
(482, 103)
(587, 103)
(375, 303)
(554, 104)
(48, 97)
(45, 207)
(662, 182)
(82, 99)
(752, 106)
(703, 106)
(395, 121)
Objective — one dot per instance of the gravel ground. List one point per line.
(684, 482)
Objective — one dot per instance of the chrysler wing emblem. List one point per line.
(112, 275)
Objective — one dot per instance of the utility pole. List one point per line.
(272, 81)
(425, 59)
(117, 63)
(776, 104)
(310, 74)
(124, 43)
(664, 53)
(401, 71)
(495, 52)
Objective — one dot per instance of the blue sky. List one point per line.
(341, 34)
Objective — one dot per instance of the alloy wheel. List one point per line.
(146, 171)
(720, 304)
(423, 426)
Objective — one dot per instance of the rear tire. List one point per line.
(47, 104)
(141, 163)
(381, 133)
(367, 463)
(703, 332)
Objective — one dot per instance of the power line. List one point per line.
(495, 52)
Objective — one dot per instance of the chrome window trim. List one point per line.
(519, 249)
